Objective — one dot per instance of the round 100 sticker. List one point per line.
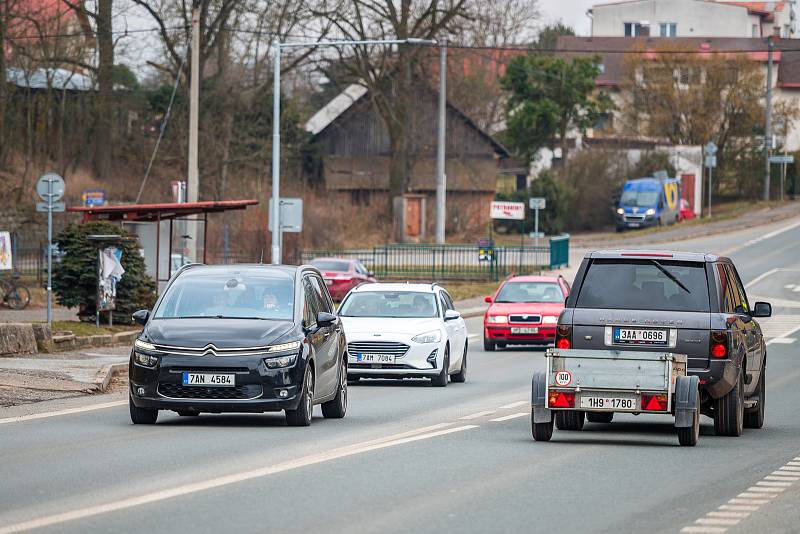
(563, 378)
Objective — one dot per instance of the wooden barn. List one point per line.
(353, 144)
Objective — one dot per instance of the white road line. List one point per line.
(738, 508)
(785, 479)
(760, 277)
(729, 515)
(748, 501)
(784, 340)
(716, 521)
(789, 468)
(787, 334)
(514, 404)
(773, 484)
(756, 495)
(218, 482)
(785, 474)
(704, 530)
(793, 463)
(68, 411)
(507, 417)
(476, 415)
(759, 489)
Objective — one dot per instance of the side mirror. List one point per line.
(762, 309)
(488, 299)
(451, 315)
(141, 316)
(325, 319)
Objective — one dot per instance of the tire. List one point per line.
(729, 411)
(569, 420)
(600, 417)
(688, 437)
(488, 345)
(754, 418)
(541, 431)
(461, 376)
(302, 415)
(440, 380)
(142, 416)
(18, 298)
(337, 407)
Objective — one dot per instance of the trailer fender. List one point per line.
(687, 402)
(541, 413)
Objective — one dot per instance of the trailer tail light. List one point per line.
(564, 337)
(560, 399)
(719, 344)
(654, 403)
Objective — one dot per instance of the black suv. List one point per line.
(687, 303)
(240, 338)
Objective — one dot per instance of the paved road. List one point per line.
(411, 458)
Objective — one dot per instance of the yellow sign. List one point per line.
(671, 192)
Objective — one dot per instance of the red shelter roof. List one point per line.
(154, 212)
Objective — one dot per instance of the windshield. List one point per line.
(530, 292)
(407, 304)
(229, 295)
(640, 199)
(645, 285)
(331, 265)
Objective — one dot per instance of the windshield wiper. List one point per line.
(670, 275)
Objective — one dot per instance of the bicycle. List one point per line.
(14, 295)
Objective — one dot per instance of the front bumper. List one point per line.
(632, 221)
(545, 335)
(256, 389)
(420, 361)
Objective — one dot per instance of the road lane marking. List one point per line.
(729, 515)
(785, 335)
(476, 415)
(785, 479)
(227, 480)
(764, 237)
(68, 411)
(794, 463)
(785, 473)
(748, 501)
(755, 495)
(514, 404)
(789, 468)
(784, 340)
(759, 489)
(774, 484)
(704, 530)
(717, 521)
(507, 417)
(739, 508)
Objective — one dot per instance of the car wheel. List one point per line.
(142, 416)
(302, 415)
(569, 420)
(729, 411)
(488, 345)
(688, 437)
(440, 380)
(541, 431)
(461, 376)
(337, 407)
(754, 418)
(600, 417)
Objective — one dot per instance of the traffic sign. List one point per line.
(710, 149)
(781, 159)
(537, 203)
(44, 207)
(508, 210)
(291, 215)
(93, 197)
(50, 187)
(711, 161)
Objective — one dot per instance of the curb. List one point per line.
(109, 371)
(473, 312)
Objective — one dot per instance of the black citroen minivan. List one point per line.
(240, 338)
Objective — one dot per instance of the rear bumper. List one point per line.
(546, 335)
(718, 379)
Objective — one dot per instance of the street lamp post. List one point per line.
(276, 114)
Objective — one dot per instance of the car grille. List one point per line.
(179, 391)
(524, 318)
(634, 218)
(377, 347)
(237, 370)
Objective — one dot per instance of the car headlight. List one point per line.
(549, 319)
(620, 211)
(145, 360)
(293, 345)
(434, 336)
(497, 319)
(651, 211)
(280, 361)
(143, 345)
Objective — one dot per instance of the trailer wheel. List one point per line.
(569, 420)
(541, 431)
(688, 436)
(600, 417)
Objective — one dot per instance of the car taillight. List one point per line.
(564, 337)
(654, 403)
(719, 344)
(560, 399)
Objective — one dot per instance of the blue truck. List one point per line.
(651, 201)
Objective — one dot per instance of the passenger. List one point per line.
(422, 306)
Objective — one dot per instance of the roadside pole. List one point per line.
(50, 188)
(710, 151)
(441, 177)
(768, 126)
(193, 174)
(276, 153)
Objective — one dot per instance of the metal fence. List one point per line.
(30, 262)
(451, 262)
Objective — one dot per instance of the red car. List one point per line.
(342, 275)
(524, 311)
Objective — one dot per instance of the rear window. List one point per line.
(645, 285)
(530, 292)
(331, 265)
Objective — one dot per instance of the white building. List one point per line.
(693, 18)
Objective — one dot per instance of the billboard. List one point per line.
(5, 252)
(508, 210)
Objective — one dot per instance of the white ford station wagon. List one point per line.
(404, 331)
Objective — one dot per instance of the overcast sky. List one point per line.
(570, 12)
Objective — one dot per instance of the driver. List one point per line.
(421, 305)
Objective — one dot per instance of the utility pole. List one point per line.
(768, 126)
(441, 178)
(276, 154)
(193, 183)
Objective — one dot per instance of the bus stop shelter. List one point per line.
(164, 229)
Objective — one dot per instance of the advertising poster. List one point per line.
(5, 252)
